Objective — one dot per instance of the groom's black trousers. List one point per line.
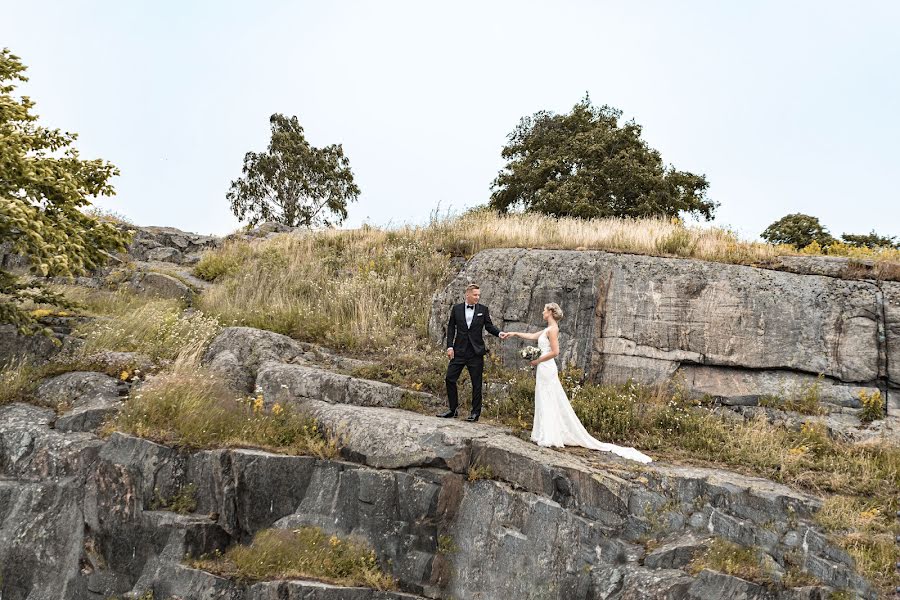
(475, 365)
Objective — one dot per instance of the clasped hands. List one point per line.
(503, 335)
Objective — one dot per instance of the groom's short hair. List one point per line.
(472, 286)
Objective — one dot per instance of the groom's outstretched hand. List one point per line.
(503, 335)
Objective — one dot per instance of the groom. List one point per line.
(465, 348)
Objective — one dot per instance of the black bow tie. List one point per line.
(468, 306)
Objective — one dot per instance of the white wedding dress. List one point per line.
(555, 423)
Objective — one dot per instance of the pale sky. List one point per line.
(784, 106)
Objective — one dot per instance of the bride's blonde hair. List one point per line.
(555, 310)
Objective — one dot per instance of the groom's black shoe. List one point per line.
(448, 415)
(472, 418)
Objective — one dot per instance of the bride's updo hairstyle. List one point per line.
(555, 310)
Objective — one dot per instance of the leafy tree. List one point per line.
(584, 164)
(797, 229)
(293, 183)
(870, 240)
(44, 187)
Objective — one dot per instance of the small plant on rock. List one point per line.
(446, 545)
(183, 502)
(731, 559)
(477, 472)
(872, 406)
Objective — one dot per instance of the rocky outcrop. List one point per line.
(734, 332)
(167, 244)
(550, 525)
(161, 285)
(38, 348)
(85, 399)
(452, 509)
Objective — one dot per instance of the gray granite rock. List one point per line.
(730, 331)
(279, 382)
(237, 353)
(451, 509)
(168, 244)
(84, 398)
(677, 553)
(40, 537)
(160, 285)
(30, 450)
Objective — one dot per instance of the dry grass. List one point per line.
(360, 289)
(305, 553)
(190, 407)
(483, 229)
(367, 288)
(866, 528)
(731, 559)
(158, 328)
(121, 321)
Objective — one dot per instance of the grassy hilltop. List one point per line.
(367, 292)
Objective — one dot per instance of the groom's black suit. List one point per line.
(468, 351)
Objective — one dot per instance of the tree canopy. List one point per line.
(870, 240)
(44, 188)
(585, 164)
(799, 230)
(293, 183)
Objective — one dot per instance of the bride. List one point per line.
(555, 423)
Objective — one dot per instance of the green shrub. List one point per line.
(477, 472)
(679, 242)
(446, 545)
(804, 398)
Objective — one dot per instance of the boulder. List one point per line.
(84, 398)
(450, 508)
(168, 244)
(160, 285)
(238, 352)
(30, 450)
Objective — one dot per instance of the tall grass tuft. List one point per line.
(305, 553)
(157, 328)
(361, 289)
(866, 528)
(190, 407)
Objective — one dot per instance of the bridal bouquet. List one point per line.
(530, 352)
